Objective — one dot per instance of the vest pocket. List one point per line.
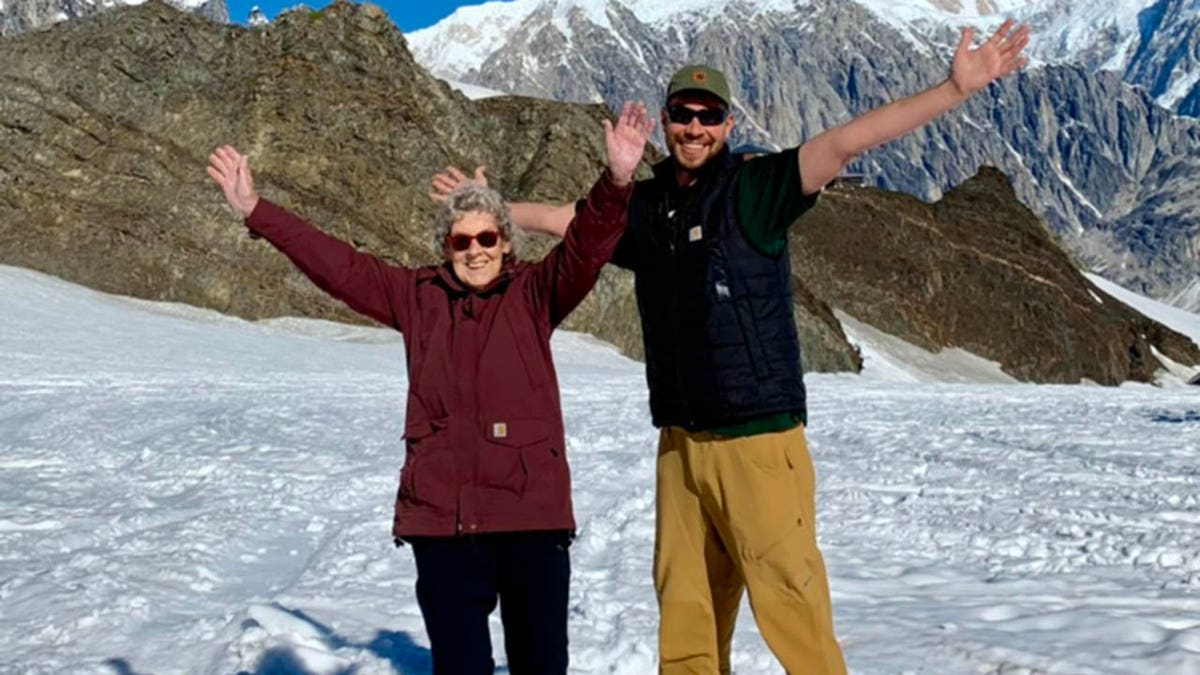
(754, 346)
(728, 296)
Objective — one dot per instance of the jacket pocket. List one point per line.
(503, 465)
(415, 430)
(428, 475)
(547, 479)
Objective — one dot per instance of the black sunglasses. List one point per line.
(462, 242)
(709, 117)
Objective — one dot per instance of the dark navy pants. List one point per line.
(460, 579)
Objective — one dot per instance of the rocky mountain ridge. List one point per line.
(21, 16)
(1093, 155)
(106, 124)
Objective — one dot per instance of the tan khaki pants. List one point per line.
(736, 513)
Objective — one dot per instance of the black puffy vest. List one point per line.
(720, 337)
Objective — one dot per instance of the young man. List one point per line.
(707, 241)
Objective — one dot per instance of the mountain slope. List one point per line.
(106, 124)
(1094, 156)
(20, 16)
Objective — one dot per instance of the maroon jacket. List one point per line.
(485, 444)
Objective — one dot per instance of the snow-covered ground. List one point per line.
(182, 492)
(474, 91)
(1175, 318)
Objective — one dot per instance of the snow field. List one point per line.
(182, 492)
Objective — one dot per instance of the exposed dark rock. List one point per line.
(975, 270)
(106, 124)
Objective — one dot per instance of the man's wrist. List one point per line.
(959, 94)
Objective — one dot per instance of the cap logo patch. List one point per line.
(699, 77)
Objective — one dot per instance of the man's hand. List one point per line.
(446, 182)
(974, 69)
(231, 170)
(626, 141)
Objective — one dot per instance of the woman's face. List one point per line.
(475, 264)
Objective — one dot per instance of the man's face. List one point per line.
(693, 144)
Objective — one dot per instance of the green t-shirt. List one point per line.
(770, 199)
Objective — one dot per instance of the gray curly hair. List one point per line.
(471, 197)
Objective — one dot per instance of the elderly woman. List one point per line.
(484, 494)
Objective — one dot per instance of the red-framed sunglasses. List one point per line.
(462, 242)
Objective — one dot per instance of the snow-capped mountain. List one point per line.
(20, 16)
(1100, 158)
(1151, 43)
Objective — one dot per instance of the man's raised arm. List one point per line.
(551, 219)
(824, 157)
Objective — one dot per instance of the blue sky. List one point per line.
(409, 15)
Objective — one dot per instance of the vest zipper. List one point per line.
(672, 240)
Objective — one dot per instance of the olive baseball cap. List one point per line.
(700, 78)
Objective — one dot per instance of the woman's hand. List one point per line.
(231, 170)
